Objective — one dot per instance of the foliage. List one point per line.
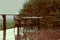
(9, 24)
(49, 9)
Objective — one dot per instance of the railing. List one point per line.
(30, 27)
(21, 24)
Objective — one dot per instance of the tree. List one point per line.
(48, 9)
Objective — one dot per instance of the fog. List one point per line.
(7, 17)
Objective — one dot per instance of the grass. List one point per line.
(9, 24)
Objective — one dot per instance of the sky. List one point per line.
(11, 6)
